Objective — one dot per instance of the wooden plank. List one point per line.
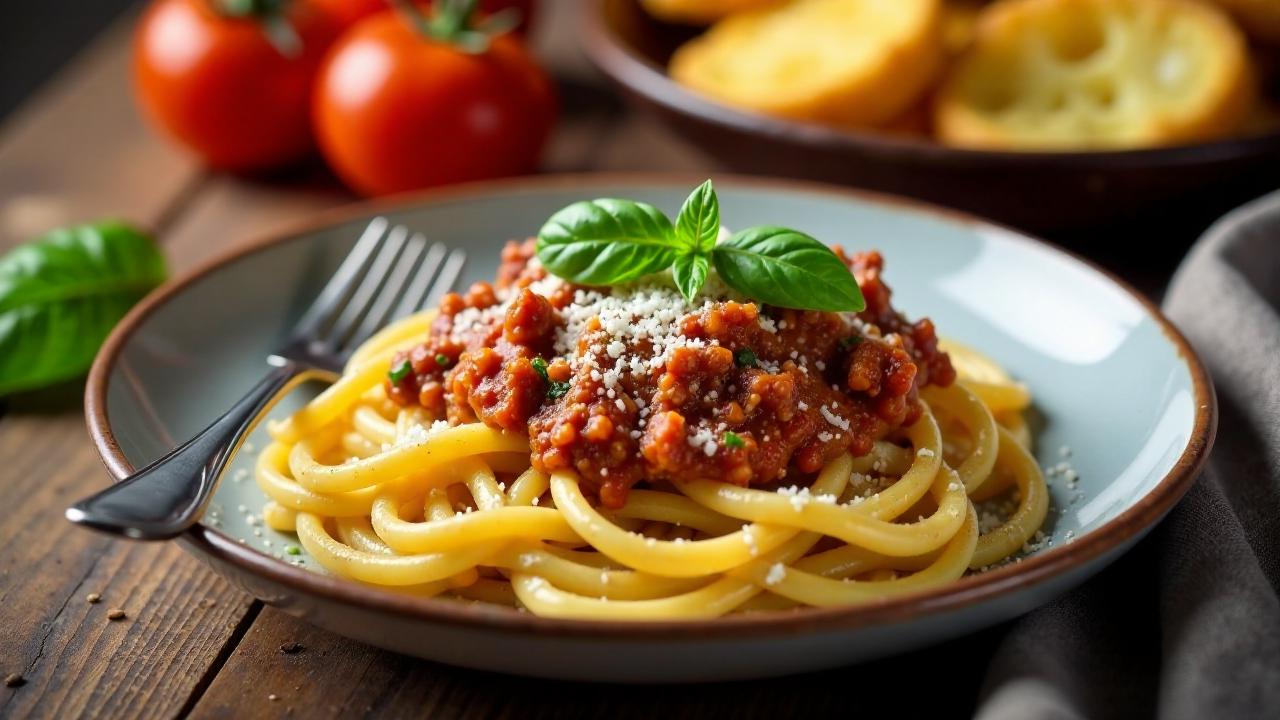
(156, 663)
(638, 141)
(331, 677)
(230, 212)
(79, 150)
(73, 658)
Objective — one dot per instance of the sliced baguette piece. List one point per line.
(700, 12)
(1097, 74)
(856, 63)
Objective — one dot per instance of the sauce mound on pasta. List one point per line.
(631, 383)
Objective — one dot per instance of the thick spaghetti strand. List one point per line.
(382, 495)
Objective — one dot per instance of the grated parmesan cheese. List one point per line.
(777, 573)
(833, 418)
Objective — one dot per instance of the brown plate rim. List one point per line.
(623, 66)
(962, 593)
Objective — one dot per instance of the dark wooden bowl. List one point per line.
(1057, 193)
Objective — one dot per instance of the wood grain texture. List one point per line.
(331, 677)
(79, 150)
(76, 152)
(183, 620)
(230, 212)
(75, 661)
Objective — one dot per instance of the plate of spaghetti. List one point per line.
(636, 445)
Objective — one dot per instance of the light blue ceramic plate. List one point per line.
(1113, 381)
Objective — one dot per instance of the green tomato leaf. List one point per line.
(61, 294)
(787, 268)
(698, 224)
(690, 272)
(600, 242)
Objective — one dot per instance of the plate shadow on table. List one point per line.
(59, 398)
(301, 664)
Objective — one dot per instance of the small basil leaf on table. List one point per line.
(600, 242)
(698, 224)
(690, 272)
(61, 295)
(787, 268)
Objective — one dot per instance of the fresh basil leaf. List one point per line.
(690, 272)
(698, 224)
(61, 294)
(787, 268)
(600, 242)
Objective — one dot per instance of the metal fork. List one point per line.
(388, 273)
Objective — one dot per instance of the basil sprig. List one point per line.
(606, 241)
(61, 294)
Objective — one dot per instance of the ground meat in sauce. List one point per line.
(818, 385)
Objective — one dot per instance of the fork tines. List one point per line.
(388, 274)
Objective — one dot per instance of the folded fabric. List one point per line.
(1188, 624)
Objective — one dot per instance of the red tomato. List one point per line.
(219, 86)
(394, 110)
(348, 12)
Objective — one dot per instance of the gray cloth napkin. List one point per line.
(1187, 625)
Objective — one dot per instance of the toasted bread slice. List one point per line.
(700, 12)
(845, 62)
(1094, 74)
(959, 23)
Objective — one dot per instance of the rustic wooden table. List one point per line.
(192, 644)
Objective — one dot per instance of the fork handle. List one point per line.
(163, 499)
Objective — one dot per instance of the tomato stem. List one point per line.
(270, 14)
(453, 22)
(250, 8)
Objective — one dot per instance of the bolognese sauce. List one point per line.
(631, 384)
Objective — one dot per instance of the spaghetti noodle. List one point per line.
(424, 482)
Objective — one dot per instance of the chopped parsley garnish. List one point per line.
(540, 367)
(555, 390)
(746, 357)
(846, 343)
(734, 440)
(442, 360)
(293, 550)
(400, 372)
